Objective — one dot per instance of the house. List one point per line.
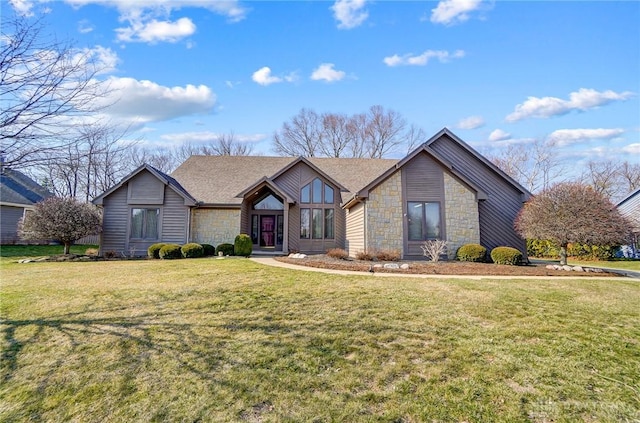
(629, 207)
(442, 190)
(18, 194)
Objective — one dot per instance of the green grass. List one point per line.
(20, 251)
(211, 340)
(611, 264)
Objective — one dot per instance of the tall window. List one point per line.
(144, 223)
(423, 220)
(317, 222)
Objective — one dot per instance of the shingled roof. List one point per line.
(17, 188)
(217, 180)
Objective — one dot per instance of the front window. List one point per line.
(423, 220)
(317, 221)
(144, 223)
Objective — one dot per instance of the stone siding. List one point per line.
(384, 215)
(462, 218)
(215, 226)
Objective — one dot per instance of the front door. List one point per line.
(268, 231)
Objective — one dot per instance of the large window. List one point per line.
(317, 222)
(144, 223)
(423, 220)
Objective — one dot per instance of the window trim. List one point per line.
(144, 237)
(424, 221)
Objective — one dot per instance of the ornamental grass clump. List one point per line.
(338, 253)
(192, 250)
(506, 255)
(472, 252)
(243, 246)
(154, 250)
(225, 248)
(170, 251)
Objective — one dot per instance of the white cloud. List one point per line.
(84, 26)
(563, 137)
(155, 31)
(326, 72)
(104, 60)
(22, 7)
(349, 13)
(264, 77)
(453, 11)
(583, 99)
(499, 135)
(632, 148)
(146, 101)
(471, 122)
(422, 59)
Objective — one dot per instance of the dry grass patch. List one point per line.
(230, 340)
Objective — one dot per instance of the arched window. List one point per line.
(270, 202)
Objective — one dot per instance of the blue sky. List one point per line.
(497, 73)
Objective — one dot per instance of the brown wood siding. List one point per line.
(422, 180)
(9, 217)
(115, 222)
(499, 210)
(355, 229)
(145, 188)
(175, 217)
(291, 181)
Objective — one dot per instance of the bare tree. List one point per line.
(45, 86)
(630, 176)
(300, 137)
(613, 179)
(375, 134)
(535, 166)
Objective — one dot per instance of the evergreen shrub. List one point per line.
(209, 250)
(154, 250)
(243, 246)
(506, 255)
(225, 248)
(472, 252)
(192, 250)
(170, 251)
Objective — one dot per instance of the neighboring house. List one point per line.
(442, 190)
(18, 194)
(629, 207)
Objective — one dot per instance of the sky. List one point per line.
(496, 73)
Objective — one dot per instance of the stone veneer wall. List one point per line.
(384, 215)
(462, 218)
(215, 226)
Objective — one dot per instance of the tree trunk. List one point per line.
(563, 254)
(67, 247)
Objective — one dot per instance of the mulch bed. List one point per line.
(439, 268)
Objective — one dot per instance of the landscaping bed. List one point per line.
(437, 268)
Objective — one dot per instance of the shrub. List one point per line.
(110, 254)
(388, 255)
(226, 249)
(433, 249)
(154, 250)
(91, 251)
(541, 248)
(170, 251)
(338, 253)
(243, 246)
(365, 255)
(209, 250)
(506, 255)
(472, 252)
(192, 250)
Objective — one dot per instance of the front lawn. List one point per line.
(209, 340)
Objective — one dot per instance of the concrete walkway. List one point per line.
(270, 261)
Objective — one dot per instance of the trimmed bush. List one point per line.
(209, 250)
(192, 250)
(243, 246)
(154, 250)
(506, 255)
(472, 252)
(337, 253)
(226, 248)
(170, 251)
